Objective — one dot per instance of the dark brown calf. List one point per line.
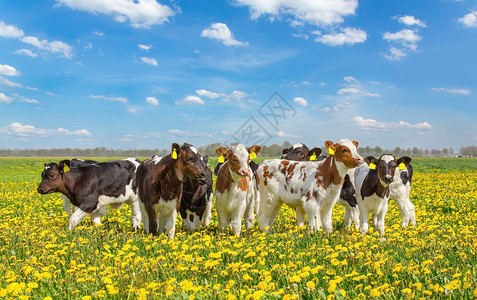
(159, 182)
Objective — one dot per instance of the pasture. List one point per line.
(40, 258)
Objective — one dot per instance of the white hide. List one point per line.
(400, 192)
(166, 215)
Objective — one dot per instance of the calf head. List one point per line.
(385, 166)
(300, 152)
(189, 162)
(238, 158)
(345, 151)
(52, 177)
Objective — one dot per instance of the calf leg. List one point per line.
(76, 218)
(326, 219)
(248, 215)
(96, 216)
(267, 214)
(380, 218)
(300, 216)
(66, 204)
(135, 213)
(144, 217)
(208, 210)
(171, 224)
(363, 226)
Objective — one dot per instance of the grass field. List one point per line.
(40, 258)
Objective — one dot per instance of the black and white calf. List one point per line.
(399, 190)
(372, 190)
(300, 152)
(94, 186)
(159, 186)
(69, 209)
(196, 200)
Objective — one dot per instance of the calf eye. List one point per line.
(190, 159)
(51, 176)
(345, 151)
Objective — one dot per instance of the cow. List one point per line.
(313, 186)
(235, 188)
(372, 182)
(92, 187)
(399, 190)
(159, 186)
(69, 209)
(196, 200)
(300, 152)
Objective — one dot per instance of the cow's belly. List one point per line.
(165, 207)
(104, 200)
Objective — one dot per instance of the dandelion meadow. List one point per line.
(41, 259)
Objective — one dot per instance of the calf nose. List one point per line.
(388, 178)
(360, 159)
(39, 190)
(245, 172)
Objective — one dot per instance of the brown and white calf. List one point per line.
(312, 186)
(196, 200)
(92, 187)
(235, 188)
(159, 186)
(399, 190)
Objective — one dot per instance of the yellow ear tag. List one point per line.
(221, 159)
(253, 155)
(331, 151)
(402, 166)
(372, 166)
(313, 156)
(65, 168)
(174, 154)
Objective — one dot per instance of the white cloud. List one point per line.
(469, 20)
(55, 47)
(300, 101)
(235, 95)
(395, 54)
(5, 99)
(452, 91)
(349, 36)
(18, 129)
(222, 33)
(144, 47)
(301, 35)
(315, 12)
(208, 94)
(110, 98)
(191, 100)
(410, 21)
(26, 52)
(26, 100)
(9, 83)
(10, 31)
(325, 109)
(354, 87)
(149, 61)
(373, 124)
(133, 110)
(285, 135)
(98, 33)
(144, 13)
(152, 101)
(407, 38)
(187, 133)
(9, 71)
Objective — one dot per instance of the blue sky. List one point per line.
(143, 74)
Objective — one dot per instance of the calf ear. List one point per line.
(330, 145)
(316, 151)
(175, 148)
(64, 166)
(221, 151)
(285, 151)
(206, 158)
(404, 159)
(355, 143)
(255, 148)
(371, 161)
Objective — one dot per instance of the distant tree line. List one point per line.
(273, 150)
